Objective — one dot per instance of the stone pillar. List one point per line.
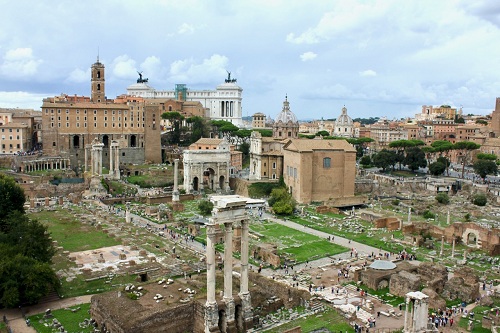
(246, 301)
(200, 182)
(211, 309)
(228, 272)
(442, 245)
(407, 308)
(409, 216)
(111, 168)
(117, 161)
(47, 201)
(453, 248)
(175, 193)
(32, 203)
(448, 218)
(61, 200)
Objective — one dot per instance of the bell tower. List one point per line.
(97, 82)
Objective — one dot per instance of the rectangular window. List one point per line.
(327, 162)
(67, 124)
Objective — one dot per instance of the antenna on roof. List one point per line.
(98, 54)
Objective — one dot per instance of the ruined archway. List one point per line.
(208, 178)
(472, 239)
(76, 141)
(195, 184)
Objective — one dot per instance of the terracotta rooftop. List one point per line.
(310, 145)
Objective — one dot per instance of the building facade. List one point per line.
(223, 103)
(319, 170)
(70, 123)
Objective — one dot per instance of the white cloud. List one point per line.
(20, 62)
(209, 70)
(79, 76)
(368, 72)
(21, 99)
(307, 56)
(123, 67)
(185, 29)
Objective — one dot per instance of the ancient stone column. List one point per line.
(407, 308)
(409, 215)
(246, 302)
(244, 257)
(228, 271)
(117, 160)
(442, 245)
(210, 263)
(175, 193)
(453, 248)
(448, 218)
(111, 168)
(211, 309)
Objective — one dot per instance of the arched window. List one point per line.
(98, 87)
(327, 162)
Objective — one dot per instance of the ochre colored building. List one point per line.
(72, 122)
(319, 170)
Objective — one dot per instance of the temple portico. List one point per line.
(46, 163)
(227, 211)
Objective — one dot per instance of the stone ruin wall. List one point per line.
(239, 186)
(489, 238)
(391, 223)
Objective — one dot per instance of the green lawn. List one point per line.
(329, 319)
(70, 233)
(69, 319)
(78, 286)
(477, 321)
(294, 244)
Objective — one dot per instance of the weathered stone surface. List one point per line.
(430, 271)
(456, 288)
(435, 301)
(467, 274)
(404, 282)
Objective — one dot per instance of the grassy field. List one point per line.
(478, 316)
(69, 319)
(70, 233)
(328, 319)
(294, 244)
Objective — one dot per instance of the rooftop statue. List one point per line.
(140, 79)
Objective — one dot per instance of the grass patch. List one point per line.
(147, 181)
(69, 319)
(293, 244)
(328, 319)
(70, 233)
(477, 321)
(78, 286)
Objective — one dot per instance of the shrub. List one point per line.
(467, 217)
(443, 198)
(395, 202)
(205, 207)
(429, 215)
(479, 199)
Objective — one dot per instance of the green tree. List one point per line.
(198, 127)
(437, 168)
(443, 147)
(226, 129)
(245, 149)
(26, 251)
(11, 198)
(205, 207)
(486, 156)
(282, 201)
(415, 158)
(464, 150)
(485, 167)
(365, 160)
(175, 118)
(459, 120)
(266, 133)
(385, 159)
(323, 133)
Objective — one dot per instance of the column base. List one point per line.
(246, 309)
(211, 317)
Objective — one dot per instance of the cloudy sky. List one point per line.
(378, 58)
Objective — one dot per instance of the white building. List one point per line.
(223, 103)
(344, 126)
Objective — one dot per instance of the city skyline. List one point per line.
(378, 58)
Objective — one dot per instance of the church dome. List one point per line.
(286, 115)
(344, 119)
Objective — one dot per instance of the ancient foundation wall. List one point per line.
(291, 297)
(239, 186)
(173, 320)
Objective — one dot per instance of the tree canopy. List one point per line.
(485, 167)
(26, 251)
